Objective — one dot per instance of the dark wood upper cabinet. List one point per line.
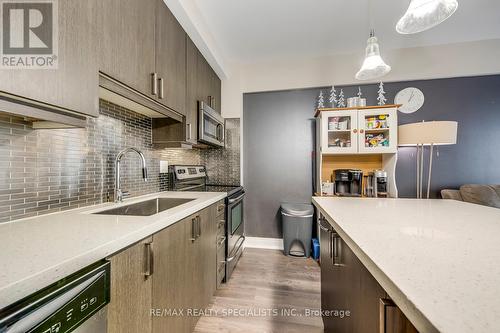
(209, 85)
(193, 89)
(170, 59)
(73, 86)
(217, 86)
(127, 42)
(144, 55)
(201, 82)
(214, 89)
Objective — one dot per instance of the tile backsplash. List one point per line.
(223, 165)
(43, 171)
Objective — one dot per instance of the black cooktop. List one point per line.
(230, 189)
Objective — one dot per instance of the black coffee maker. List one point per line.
(348, 182)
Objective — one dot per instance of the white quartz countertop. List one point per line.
(35, 252)
(438, 259)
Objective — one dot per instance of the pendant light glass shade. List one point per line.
(374, 66)
(425, 14)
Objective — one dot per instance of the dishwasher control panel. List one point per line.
(63, 306)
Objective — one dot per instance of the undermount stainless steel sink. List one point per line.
(146, 208)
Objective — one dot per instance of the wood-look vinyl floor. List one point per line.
(263, 283)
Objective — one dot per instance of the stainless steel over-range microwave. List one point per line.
(210, 125)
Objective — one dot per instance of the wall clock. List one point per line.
(411, 99)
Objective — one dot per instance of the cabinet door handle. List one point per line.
(160, 93)
(337, 249)
(221, 241)
(198, 218)
(149, 260)
(361, 131)
(188, 131)
(221, 224)
(193, 229)
(330, 244)
(355, 131)
(220, 208)
(383, 305)
(154, 83)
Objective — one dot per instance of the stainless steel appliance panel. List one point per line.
(210, 126)
(235, 229)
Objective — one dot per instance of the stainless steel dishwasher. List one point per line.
(76, 303)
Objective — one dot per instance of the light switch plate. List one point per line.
(163, 166)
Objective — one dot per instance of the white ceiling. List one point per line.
(247, 31)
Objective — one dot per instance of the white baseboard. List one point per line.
(264, 243)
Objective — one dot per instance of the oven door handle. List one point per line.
(236, 199)
(237, 250)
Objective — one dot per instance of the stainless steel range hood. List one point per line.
(118, 93)
(42, 115)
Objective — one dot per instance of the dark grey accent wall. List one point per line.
(473, 101)
(278, 132)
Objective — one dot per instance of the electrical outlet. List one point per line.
(163, 166)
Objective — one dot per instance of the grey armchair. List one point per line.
(486, 195)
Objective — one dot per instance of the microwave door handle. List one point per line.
(217, 132)
(220, 132)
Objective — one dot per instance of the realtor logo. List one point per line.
(29, 34)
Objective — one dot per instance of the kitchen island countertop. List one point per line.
(38, 251)
(439, 260)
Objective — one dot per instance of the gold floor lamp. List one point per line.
(427, 133)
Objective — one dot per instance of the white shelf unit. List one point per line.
(343, 141)
(359, 131)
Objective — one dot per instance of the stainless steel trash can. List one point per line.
(297, 228)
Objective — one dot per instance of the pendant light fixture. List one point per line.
(425, 14)
(374, 66)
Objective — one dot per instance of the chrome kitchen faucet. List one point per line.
(119, 194)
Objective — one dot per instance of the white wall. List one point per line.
(453, 60)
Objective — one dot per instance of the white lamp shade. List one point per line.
(374, 66)
(425, 14)
(427, 133)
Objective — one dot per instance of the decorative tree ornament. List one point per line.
(321, 100)
(360, 94)
(333, 97)
(381, 94)
(341, 102)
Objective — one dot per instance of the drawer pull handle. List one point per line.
(149, 260)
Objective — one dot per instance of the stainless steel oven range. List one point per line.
(194, 178)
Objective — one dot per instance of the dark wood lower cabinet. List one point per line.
(160, 284)
(351, 299)
(393, 320)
